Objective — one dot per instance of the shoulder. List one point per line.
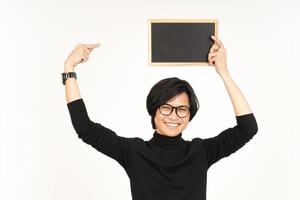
(197, 141)
(134, 141)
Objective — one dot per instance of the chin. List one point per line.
(168, 130)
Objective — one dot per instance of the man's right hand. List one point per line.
(80, 54)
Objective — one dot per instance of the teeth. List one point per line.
(171, 124)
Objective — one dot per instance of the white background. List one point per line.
(41, 156)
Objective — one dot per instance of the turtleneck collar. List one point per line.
(166, 141)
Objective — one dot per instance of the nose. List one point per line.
(173, 115)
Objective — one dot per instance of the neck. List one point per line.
(170, 136)
(168, 142)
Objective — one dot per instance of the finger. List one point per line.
(89, 46)
(213, 54)
(86, 51)
(211, 58)
(211, 61)
(84, 59)
(217, 41)
(214, 48)
(82, 47)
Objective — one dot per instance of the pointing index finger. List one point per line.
(92, 45)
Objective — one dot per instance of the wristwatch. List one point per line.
(67, 75)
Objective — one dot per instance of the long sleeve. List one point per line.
(231, 139)
(101, 138)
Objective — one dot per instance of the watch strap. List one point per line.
(67, 75)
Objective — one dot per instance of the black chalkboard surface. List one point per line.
(180, 41)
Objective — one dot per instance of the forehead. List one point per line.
(179, 100)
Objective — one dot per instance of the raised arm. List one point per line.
(95, 134)
(217, 57)
(231, 139)
(80, 54)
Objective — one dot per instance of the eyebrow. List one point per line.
(178, 106)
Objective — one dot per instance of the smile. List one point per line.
(172, 124)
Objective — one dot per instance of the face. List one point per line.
(172, 125)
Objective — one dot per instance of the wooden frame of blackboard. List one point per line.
(150, 21)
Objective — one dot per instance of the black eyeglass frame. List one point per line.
(176, 108)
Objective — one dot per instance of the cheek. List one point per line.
(185, 123)
(158, 119)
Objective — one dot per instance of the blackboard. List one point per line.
(180, 41)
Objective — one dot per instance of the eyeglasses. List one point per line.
(181, 111)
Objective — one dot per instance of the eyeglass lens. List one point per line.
(181, 111)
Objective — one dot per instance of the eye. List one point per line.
(183, 111)
(165, 109)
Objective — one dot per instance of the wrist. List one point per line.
(224, 73)
(68, 65)
(68, 68)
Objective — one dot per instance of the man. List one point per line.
(166, 167)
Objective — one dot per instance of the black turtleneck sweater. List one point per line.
(163, 168)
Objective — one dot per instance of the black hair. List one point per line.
(165, 90)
